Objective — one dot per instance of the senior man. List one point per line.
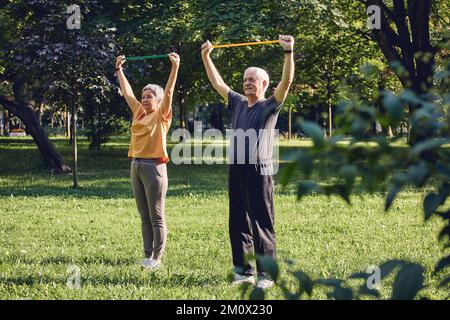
(250, 183)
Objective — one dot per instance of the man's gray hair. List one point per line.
(157, 90)
(260, 74)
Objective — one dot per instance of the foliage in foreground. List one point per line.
(370, 163)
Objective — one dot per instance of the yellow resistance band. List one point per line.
(245, 44)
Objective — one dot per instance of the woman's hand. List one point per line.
(175, 59)
(120, 60)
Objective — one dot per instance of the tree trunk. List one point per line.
(67, 123)
(74, 145)
(2, 121)
(329, 75)
(41, 106)
(7, 128)
(390, 133)
(290, 122)
(27, 115)
(410, 45)
(330, 120)
(72, 123)
(180, 103)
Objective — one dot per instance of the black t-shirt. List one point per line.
(253, 129)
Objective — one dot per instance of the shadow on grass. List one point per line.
(139, 279)
(105, 174)
(66, 260)
(184, 181)
(137, 275)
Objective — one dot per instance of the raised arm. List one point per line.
(166, 104)
(213, 75)
(125, 87)
(281, 92)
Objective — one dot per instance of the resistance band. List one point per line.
(216, 46)
(147, 57)
(245, 44)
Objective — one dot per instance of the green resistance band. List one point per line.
(147, 57)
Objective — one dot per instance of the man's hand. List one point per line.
(281, 92)
(120, 60)
(175, 59)
(207, 47)
(286, 42)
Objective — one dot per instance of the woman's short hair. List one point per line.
(260, 74)
(157, 90)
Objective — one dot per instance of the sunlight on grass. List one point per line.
(46, 226)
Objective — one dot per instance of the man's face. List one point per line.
(252, 85)
(149, 100)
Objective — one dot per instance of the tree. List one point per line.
(406, 41)
(70, 67)
(19, 105)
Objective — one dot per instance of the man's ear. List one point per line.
(265, 84)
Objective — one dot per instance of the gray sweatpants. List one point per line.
(149, 181)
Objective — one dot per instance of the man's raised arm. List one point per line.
(213, 75)
(281, 92)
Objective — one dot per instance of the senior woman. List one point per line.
(151, 121)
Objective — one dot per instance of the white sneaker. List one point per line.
(150, 264)
(242, 278)
(264, 283)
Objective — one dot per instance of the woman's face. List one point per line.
(149, 100)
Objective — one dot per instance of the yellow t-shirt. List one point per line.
(148, 133)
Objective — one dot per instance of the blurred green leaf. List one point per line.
(349, 173)
(391, 196)
(313, 130)
(257, 294)
(344, 192)
(244, 287)
(287, 173)
(306, 187)
(393, 107)
(410, 97)
(427, 145)
(418, 173)
(269, 265)
(305, 162)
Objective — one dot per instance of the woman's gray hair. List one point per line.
(260, 74)
(157, 90)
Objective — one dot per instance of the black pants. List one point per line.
(251, 224)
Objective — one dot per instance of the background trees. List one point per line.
(46, 68)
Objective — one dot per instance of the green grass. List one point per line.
(46, 226)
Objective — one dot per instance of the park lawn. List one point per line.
(46, 228)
